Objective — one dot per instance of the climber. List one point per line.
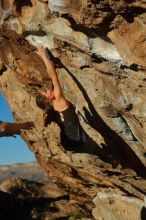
(11, 129)
(72, 134)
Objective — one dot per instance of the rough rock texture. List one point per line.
(25, 200)
(101, 49)
(107, 207)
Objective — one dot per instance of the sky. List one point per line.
(12, 150)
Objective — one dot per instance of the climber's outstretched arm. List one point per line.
(51, 71)
(7, 128)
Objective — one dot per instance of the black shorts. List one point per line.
(72, 133)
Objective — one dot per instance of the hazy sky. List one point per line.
(12, 150)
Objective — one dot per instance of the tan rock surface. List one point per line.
(101, 50)
(107, 207)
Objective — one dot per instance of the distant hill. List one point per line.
(29, 171)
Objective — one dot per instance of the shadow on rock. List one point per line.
(143, 213)
(116, 146)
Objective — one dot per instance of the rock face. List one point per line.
(24, 199)
(101, 49)
(129, 207)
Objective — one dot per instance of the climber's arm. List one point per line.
(7, 128)
(51, 71)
